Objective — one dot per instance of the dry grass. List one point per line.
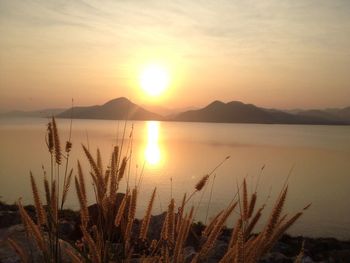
(111, 236)
(147, 217)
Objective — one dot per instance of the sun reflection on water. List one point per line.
(152, 152)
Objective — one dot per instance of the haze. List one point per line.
(281, 54)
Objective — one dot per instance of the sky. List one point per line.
(276, 54)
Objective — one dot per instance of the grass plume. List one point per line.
(108, 235)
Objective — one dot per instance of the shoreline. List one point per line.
(319, 249)
(7, 210)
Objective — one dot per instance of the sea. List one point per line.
(313, 160)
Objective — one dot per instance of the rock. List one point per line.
(307, 259)
(7, 207)
(340, 256)
(189, 253)
(65, 229)
(155, 226)
(93, 209)
(17, 233)
(219, 250)
(69, 215)
(194, 235)
(275, 257)
(320, 250)
(9, 218)
(289, 246)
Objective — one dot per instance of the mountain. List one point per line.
(217, 111)
(342, 115)
(238, 112)
(165, 111)
(117, 109)
(39, 113)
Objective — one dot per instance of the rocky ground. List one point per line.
(316, 249)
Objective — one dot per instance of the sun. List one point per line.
(154, 79)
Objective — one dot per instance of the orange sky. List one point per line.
(270, 53)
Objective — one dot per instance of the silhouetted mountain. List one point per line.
(38, 113)
(238, 112)
(342, 115)
(167, 111)
(117, 109)
(217, 111)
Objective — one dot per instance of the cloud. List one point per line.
(291, 39)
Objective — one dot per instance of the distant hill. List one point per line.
(38, 113)
(217, 111)
(238, 112)
(165, 111)
(117, 109)
(342, 115)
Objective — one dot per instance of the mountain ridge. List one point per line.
(35, 113)
(239, 112)
(216, 112)
(115, 109)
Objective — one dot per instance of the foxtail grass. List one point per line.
(110, 235)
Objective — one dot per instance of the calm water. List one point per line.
(185, 152)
